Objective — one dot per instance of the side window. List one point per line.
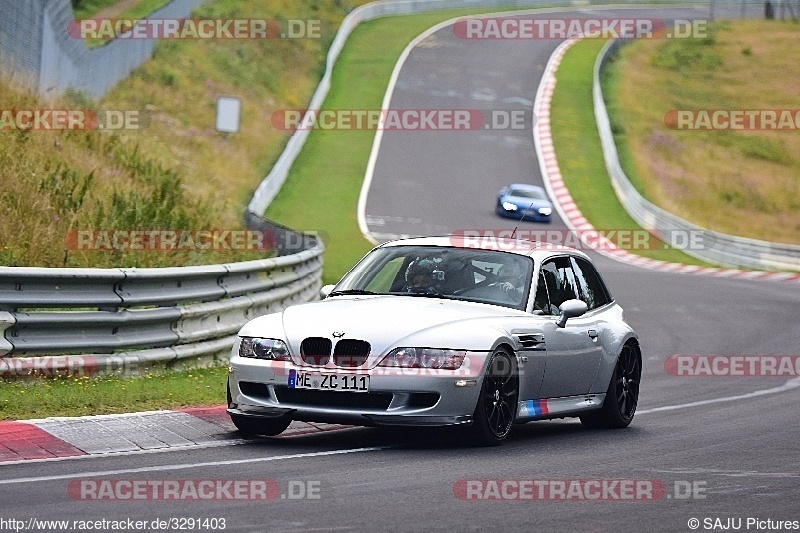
(560, 281)
(591, 285)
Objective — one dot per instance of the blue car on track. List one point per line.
(524, 202)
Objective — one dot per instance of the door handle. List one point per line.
(592, 333)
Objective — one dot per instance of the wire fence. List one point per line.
(37, 51)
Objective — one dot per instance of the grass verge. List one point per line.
(78, 396)
(580, 155)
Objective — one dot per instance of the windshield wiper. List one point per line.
(351, 291)
(430, 295)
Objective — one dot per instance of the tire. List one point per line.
(497, 403)
(622, 395)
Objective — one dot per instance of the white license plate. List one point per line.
(333, 382)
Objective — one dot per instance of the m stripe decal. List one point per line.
(535, 408)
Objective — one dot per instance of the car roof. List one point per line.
(489, 240)
(525, 186)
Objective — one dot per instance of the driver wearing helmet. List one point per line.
(510, 280)
(419, 277)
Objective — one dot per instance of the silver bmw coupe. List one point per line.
(444, 331)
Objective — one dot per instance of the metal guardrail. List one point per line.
(131, 319)
(713, 247)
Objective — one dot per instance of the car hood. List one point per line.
(387, 322)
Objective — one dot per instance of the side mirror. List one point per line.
(325, 291)
(571, 309)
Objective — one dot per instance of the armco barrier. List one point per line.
(722, 249)
(68, 320)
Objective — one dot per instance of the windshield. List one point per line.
(527, 193)
(487, 276)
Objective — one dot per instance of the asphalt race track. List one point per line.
(713, 447)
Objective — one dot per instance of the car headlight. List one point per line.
(545, 211)
(258, 348)
(508, 206)
(425, 358)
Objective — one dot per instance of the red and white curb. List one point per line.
(572, 216)
(62, 437)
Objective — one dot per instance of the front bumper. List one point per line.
(407, 397)
(518, 215)
(353, 419)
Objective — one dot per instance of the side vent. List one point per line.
(531, 341)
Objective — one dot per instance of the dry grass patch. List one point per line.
(739, 182)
